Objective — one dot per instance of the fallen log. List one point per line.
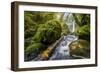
(46, 53)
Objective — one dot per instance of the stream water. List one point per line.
(62, 51)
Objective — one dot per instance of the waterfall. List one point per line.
(65, 16)
(73, 26)
(70, 21)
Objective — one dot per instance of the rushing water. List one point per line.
(70, 21)
(62, 51)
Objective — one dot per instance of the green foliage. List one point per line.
(85, 30)
(35, 47)
(42, 17)
(30, 25)
(82, 19)
(33, 20)
(65, 29)
(28, 42)
(83, 22)
(49, 32)
(40, 31)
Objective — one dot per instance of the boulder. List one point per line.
(80, 49)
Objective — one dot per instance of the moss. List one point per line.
(84, 32)
(30, 27)
(80, 48)
(34, 48)
(48, 33)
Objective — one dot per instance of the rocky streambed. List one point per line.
(71, 48)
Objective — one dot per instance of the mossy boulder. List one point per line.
(49, 32)
(34, 48)
(28, 42)
(30, 26)
(80, 48)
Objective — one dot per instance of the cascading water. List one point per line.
(71, 23)
(62, 51)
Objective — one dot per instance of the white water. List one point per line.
(62, 51)
(70, 21)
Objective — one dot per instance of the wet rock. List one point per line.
(62, 50)
(80, 49)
